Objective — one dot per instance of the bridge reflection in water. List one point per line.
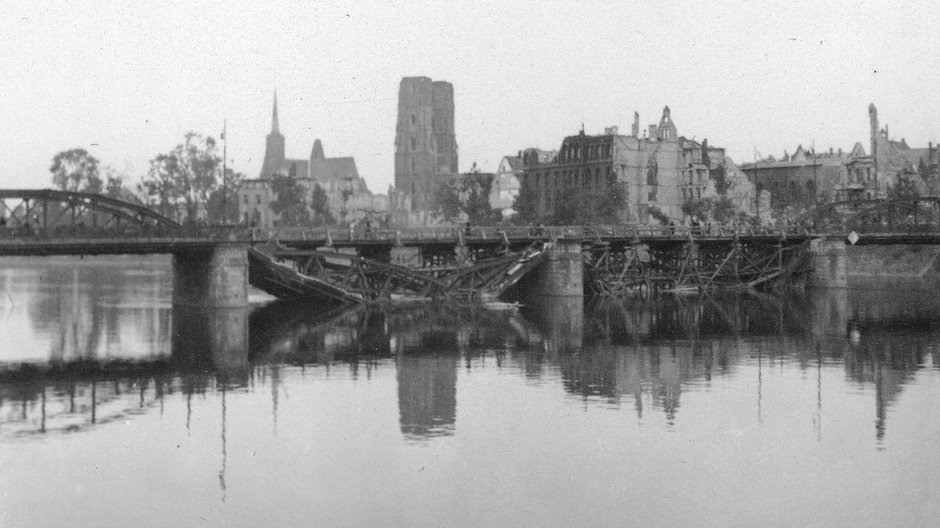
(607, 351)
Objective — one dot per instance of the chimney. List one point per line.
(635, 130)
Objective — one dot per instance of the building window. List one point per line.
(245, 199)
(258, 199)
(414, 144)
(412, 163)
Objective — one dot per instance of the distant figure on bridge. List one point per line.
(539, 229)
(672, 227)
(466, 228)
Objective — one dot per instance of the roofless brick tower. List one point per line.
(425, 142)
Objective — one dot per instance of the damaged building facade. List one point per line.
(660, 170)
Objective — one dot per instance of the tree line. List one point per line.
(186, 183)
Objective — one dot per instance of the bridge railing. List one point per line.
(446, 234)
(130, 232)
(509, 233)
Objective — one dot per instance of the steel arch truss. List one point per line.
(68, 212)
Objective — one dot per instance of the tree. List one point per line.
(320, 205)
(468, 196)
(475, 193)
(447, 202)
(905, 187)
(187, 176)
(162, 184)
(289, 202)
(581, 205)
(526, 204)
(720, 176)
(222, 207)
(75, 170)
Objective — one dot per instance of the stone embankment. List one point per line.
(896, 261)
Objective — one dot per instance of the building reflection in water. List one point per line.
(119, 353)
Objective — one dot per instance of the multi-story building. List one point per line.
(505, 186)
(348, 197)
(894, 159)
(807, 177)
(425, 142)
(661, 170)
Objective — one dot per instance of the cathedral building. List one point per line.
(348, 196)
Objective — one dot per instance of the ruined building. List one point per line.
(660, 170)
(425, 142)
(799, 181)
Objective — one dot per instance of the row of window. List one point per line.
(691, 193)
(693, 177)
(574, 152)
(575, 176)
(861, 174)
(794, 190)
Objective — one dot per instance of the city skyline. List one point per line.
(126, 83)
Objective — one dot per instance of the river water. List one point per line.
(734, 410)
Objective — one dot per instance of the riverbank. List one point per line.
(896, 261)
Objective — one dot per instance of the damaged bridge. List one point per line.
(213, 265)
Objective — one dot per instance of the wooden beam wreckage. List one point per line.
(695, 265)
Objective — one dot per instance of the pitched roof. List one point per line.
(300, 164)
(515, 162)
(915, 155)
(333, 169)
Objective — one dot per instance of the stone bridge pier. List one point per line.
(561, 274)
(828, 268)
(212, 277)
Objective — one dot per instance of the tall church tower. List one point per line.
(873, 121)
(274, 148)
(425, 142)
(442, 126)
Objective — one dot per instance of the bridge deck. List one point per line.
(38, 246)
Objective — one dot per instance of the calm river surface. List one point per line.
(746, 410)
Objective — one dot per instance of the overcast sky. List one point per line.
(126, 80)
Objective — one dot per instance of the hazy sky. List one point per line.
(126, 80)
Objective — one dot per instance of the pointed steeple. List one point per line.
(274, 125)
(274, 147)
(317, 152)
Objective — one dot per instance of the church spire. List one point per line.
(274, 124)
